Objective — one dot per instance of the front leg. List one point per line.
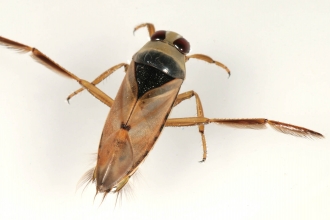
(209, 60)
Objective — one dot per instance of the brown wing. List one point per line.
(125, 101)
(144, 117)
(115, 154)
(149, 116)
(115, 160)
(131, 129)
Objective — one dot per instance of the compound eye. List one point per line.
(182, 45)
(158, 35)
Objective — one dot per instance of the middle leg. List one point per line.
(200, 113)
(100, 78)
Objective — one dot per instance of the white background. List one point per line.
(278, 53)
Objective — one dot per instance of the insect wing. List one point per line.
(149, 116)
(132, 127)
(116, 160)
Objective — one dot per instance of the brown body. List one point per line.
(132, 128)
(141, 108)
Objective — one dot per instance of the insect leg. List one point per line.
(184, 96)
(151, 28)
(251, 123)
(209, 60)
(46, 61)
(100, 78)
(200, 113)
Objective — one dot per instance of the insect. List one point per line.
(140, 111)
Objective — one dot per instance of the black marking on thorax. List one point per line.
(148, 77)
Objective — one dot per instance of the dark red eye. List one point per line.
(182, 45)
(158, 35)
